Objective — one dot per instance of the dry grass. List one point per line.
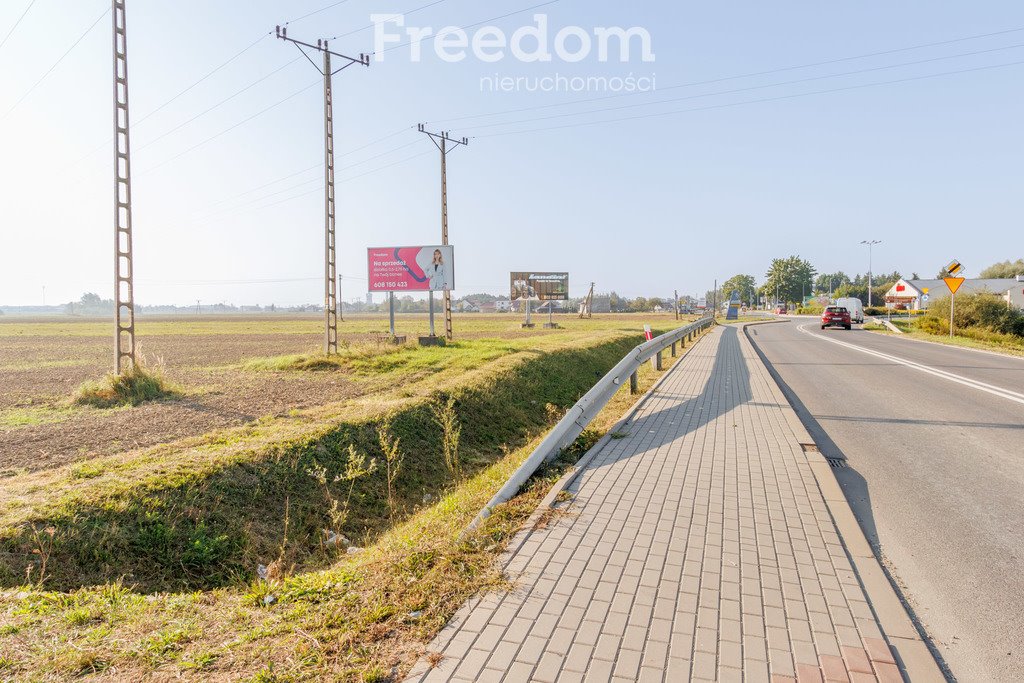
(365, 616)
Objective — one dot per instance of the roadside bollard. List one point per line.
(633, 386)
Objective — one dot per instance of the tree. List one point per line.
(1004, 269)
(791, 277)
(744, 284)
(830, 282)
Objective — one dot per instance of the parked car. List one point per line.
(836, 316)
(854, 306)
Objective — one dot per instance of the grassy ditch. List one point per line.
(205, 514)
(319, 613)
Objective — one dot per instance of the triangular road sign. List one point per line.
(953, 283)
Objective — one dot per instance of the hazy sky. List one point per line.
(739, 169)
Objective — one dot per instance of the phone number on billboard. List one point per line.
(391, 285)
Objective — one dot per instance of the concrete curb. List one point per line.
(911, 652)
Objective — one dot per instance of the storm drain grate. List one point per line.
(836, 463)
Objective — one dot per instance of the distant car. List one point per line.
(781, 309)
(854, 305)
(836, 316)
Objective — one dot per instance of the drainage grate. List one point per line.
(836, 463)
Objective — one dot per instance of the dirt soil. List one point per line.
(39, 373)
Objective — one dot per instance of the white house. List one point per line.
(1015, 294)
(915, 294)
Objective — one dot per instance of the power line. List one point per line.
(372, 25)
(309, 168)
(58, 62)
(739, 76)
(4, 41)
(231, 128)
(753, 87)
(322, 9)
(219, 104)
(473, 25)
(210, 73)
(757, 101)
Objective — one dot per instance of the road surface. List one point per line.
(935, 474)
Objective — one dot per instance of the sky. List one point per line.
(772, 129)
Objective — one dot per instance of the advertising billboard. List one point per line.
(537, 286)
(411, 269)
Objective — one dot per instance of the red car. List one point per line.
(781, 309)
(836, 316)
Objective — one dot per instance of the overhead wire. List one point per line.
(57, 63)
(737, 76)
(749, 88)
(756, 101)
(9, 33)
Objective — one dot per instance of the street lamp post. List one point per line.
(870, 245)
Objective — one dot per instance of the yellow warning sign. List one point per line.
(953, 283)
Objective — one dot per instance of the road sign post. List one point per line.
(954, 284)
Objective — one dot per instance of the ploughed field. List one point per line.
(226, 371)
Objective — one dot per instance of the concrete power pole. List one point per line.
(330, 233)
(442, 141)
(124, 291)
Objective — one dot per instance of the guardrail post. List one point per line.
(633, 383)
(656, 361)
(673, 349)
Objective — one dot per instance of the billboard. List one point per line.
(411, 269)
(537, 286)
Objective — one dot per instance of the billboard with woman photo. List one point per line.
(411, 269)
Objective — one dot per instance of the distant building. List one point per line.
(915, 294)
(1015, 295)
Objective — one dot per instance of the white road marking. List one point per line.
(959, 379)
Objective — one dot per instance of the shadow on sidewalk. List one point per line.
(727, 388)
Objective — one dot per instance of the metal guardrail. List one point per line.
(587, 408)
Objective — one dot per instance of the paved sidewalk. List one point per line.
(699, 546)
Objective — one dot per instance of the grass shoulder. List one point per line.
(360, 616)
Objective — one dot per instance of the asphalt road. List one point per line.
(935, 474)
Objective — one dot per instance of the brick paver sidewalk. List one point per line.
(697, 547)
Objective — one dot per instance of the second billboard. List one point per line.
(539, 286)
(411, 269)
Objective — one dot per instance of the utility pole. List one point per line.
(330, 233)
(442, 141)
(675, 300)
(870, 244)
(124, 294)
(588, 302)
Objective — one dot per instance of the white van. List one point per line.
(854, 306)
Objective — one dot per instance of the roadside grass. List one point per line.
(135, 385)
(34, 415)
(968, 338)
(203, 512)
(360, 616)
